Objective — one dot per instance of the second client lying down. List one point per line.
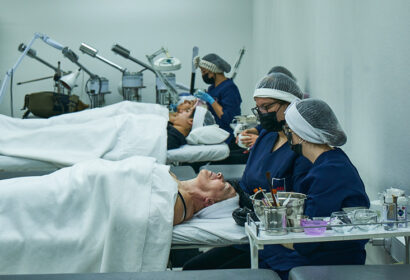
(99, 216)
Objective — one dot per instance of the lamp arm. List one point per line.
(126, 54)
(170, 87)
(74, 59)
(237, 63)
(46, 39)
(32, 53)
(122, 69)
(87, 49)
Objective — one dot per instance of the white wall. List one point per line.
(142, 26)
(354, 55)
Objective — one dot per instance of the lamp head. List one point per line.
(121, 51)
(88, 50)
(69, 81)
(30, 53)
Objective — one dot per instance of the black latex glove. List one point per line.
(244, 200)
(239, 215)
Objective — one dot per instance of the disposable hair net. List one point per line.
(278, 86)
(314, 121)
(283, 70)
(213, 63)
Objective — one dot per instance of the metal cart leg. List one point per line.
(254, 254)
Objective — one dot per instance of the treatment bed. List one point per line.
(11, 167)
(102, 216)
(197, 153)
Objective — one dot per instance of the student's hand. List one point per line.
(248, 139)
(204, 96)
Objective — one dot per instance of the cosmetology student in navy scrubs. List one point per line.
(223, 97)
(272, 153)
(253, 133)
(331, 184)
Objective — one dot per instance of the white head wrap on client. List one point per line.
(202, 117)
(314, 121)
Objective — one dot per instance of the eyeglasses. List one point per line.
(264, 108)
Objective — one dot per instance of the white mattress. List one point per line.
(197, 153)
(213, 226)
(186, 153)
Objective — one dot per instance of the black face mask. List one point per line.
(297, 148)
(207, 80)
(270, 122)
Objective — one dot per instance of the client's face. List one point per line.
(187, 104)
(184, 118)
(214, 185)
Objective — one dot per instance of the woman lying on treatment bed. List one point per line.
(195, 194)
(99, 216)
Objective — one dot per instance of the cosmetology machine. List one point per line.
(25, 50)
(165, 94)
(96, 87)
(131, 81)
(62, 79)
(167, 86)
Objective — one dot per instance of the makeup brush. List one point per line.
(272, 190)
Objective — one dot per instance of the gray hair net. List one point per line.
(278, 86)
(283, 70)
(314, 121)
(213, 63)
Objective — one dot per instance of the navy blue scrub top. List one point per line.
(331, 184)
(282, 163)
(228, 96)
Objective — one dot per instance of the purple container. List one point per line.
(314, 227)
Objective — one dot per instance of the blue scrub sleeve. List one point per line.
(258, 128)
(229, 107)
(300, 170)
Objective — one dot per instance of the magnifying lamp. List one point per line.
(96, 86)
(10, 72)
(69, 81)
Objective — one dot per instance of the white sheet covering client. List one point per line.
(113, 132)
(98, 216)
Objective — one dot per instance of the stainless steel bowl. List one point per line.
(294, 208)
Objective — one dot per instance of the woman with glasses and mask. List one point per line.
(332, 183)
(248, 137)
(271, 153)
